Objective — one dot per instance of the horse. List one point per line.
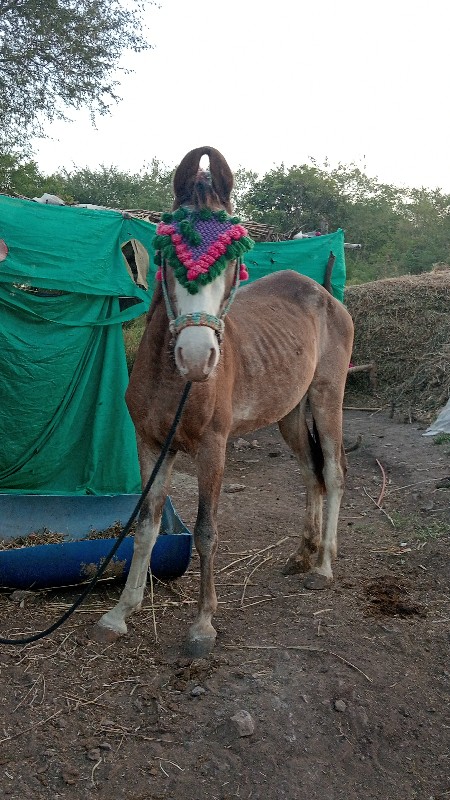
(276, 350)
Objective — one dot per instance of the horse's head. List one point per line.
(200, 246)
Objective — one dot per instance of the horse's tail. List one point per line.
(316, 453)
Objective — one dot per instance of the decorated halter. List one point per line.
(198, 245)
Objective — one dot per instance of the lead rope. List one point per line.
(89, 588)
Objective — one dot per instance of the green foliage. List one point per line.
(19, 176)
(132, 334)
(61, 54)
(243, 182)
(441, 438)
(293, 199)
(399, 230)
(417, 528)
(108, 186)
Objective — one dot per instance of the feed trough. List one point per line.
(77, 558)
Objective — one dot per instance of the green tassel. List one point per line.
(180, 214)
(157, 259)
(166, 217)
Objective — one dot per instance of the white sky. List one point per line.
(267, 83)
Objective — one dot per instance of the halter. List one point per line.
(198, 318)
(198, 245)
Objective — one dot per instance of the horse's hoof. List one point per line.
(294, 566)
(102, 635)
(199, 647)
(317, 582)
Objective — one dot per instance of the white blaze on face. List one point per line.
(197, 349)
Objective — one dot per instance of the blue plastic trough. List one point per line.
(77, 559)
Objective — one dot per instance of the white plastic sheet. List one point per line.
(442, 423)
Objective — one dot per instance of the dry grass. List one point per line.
(403, 325)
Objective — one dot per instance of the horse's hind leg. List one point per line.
(326, 408)
(210, 466)
(295, 433)
(113, 623)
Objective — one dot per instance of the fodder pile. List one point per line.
(403, 325)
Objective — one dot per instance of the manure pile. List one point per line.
(403, 326)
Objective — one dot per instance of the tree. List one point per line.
(150, 189)
(301, 197)
(18, 176)
(61, 54)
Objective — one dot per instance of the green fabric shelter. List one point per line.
(308, 256)
(64, 425)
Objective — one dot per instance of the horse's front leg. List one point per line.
(210, 461)
(113, 623)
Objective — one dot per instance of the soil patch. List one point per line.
(307, 694)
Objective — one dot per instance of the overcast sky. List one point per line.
(266, 83)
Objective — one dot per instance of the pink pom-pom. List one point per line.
(165, 230)
(159, 275)
(243, 273)
(176, 238)
(192, 274)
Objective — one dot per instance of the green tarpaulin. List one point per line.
(308, 256)
(64, 426)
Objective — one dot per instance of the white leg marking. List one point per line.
(148, 528)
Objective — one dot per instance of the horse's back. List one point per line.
(288, 291)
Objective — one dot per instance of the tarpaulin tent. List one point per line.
(64, 426)
(308, 256)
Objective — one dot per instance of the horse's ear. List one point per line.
(187, 171)
(185, 175)
(221, 175)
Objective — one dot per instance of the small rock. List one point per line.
(243, 723)
(444, 483)
(94, 754)
(241, 444)
(231, 488)
(274, 454)
(197, 691)
(105, 746)
(255, 443)
(21, 596)
(339, 705)
(70, 775)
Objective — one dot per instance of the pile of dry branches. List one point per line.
(403, 325)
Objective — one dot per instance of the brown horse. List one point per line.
(287, 343)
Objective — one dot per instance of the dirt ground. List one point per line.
(345, 691)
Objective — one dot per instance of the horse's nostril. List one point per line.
(180, 358)
(211, 359)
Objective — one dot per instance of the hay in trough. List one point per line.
(403, 325)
